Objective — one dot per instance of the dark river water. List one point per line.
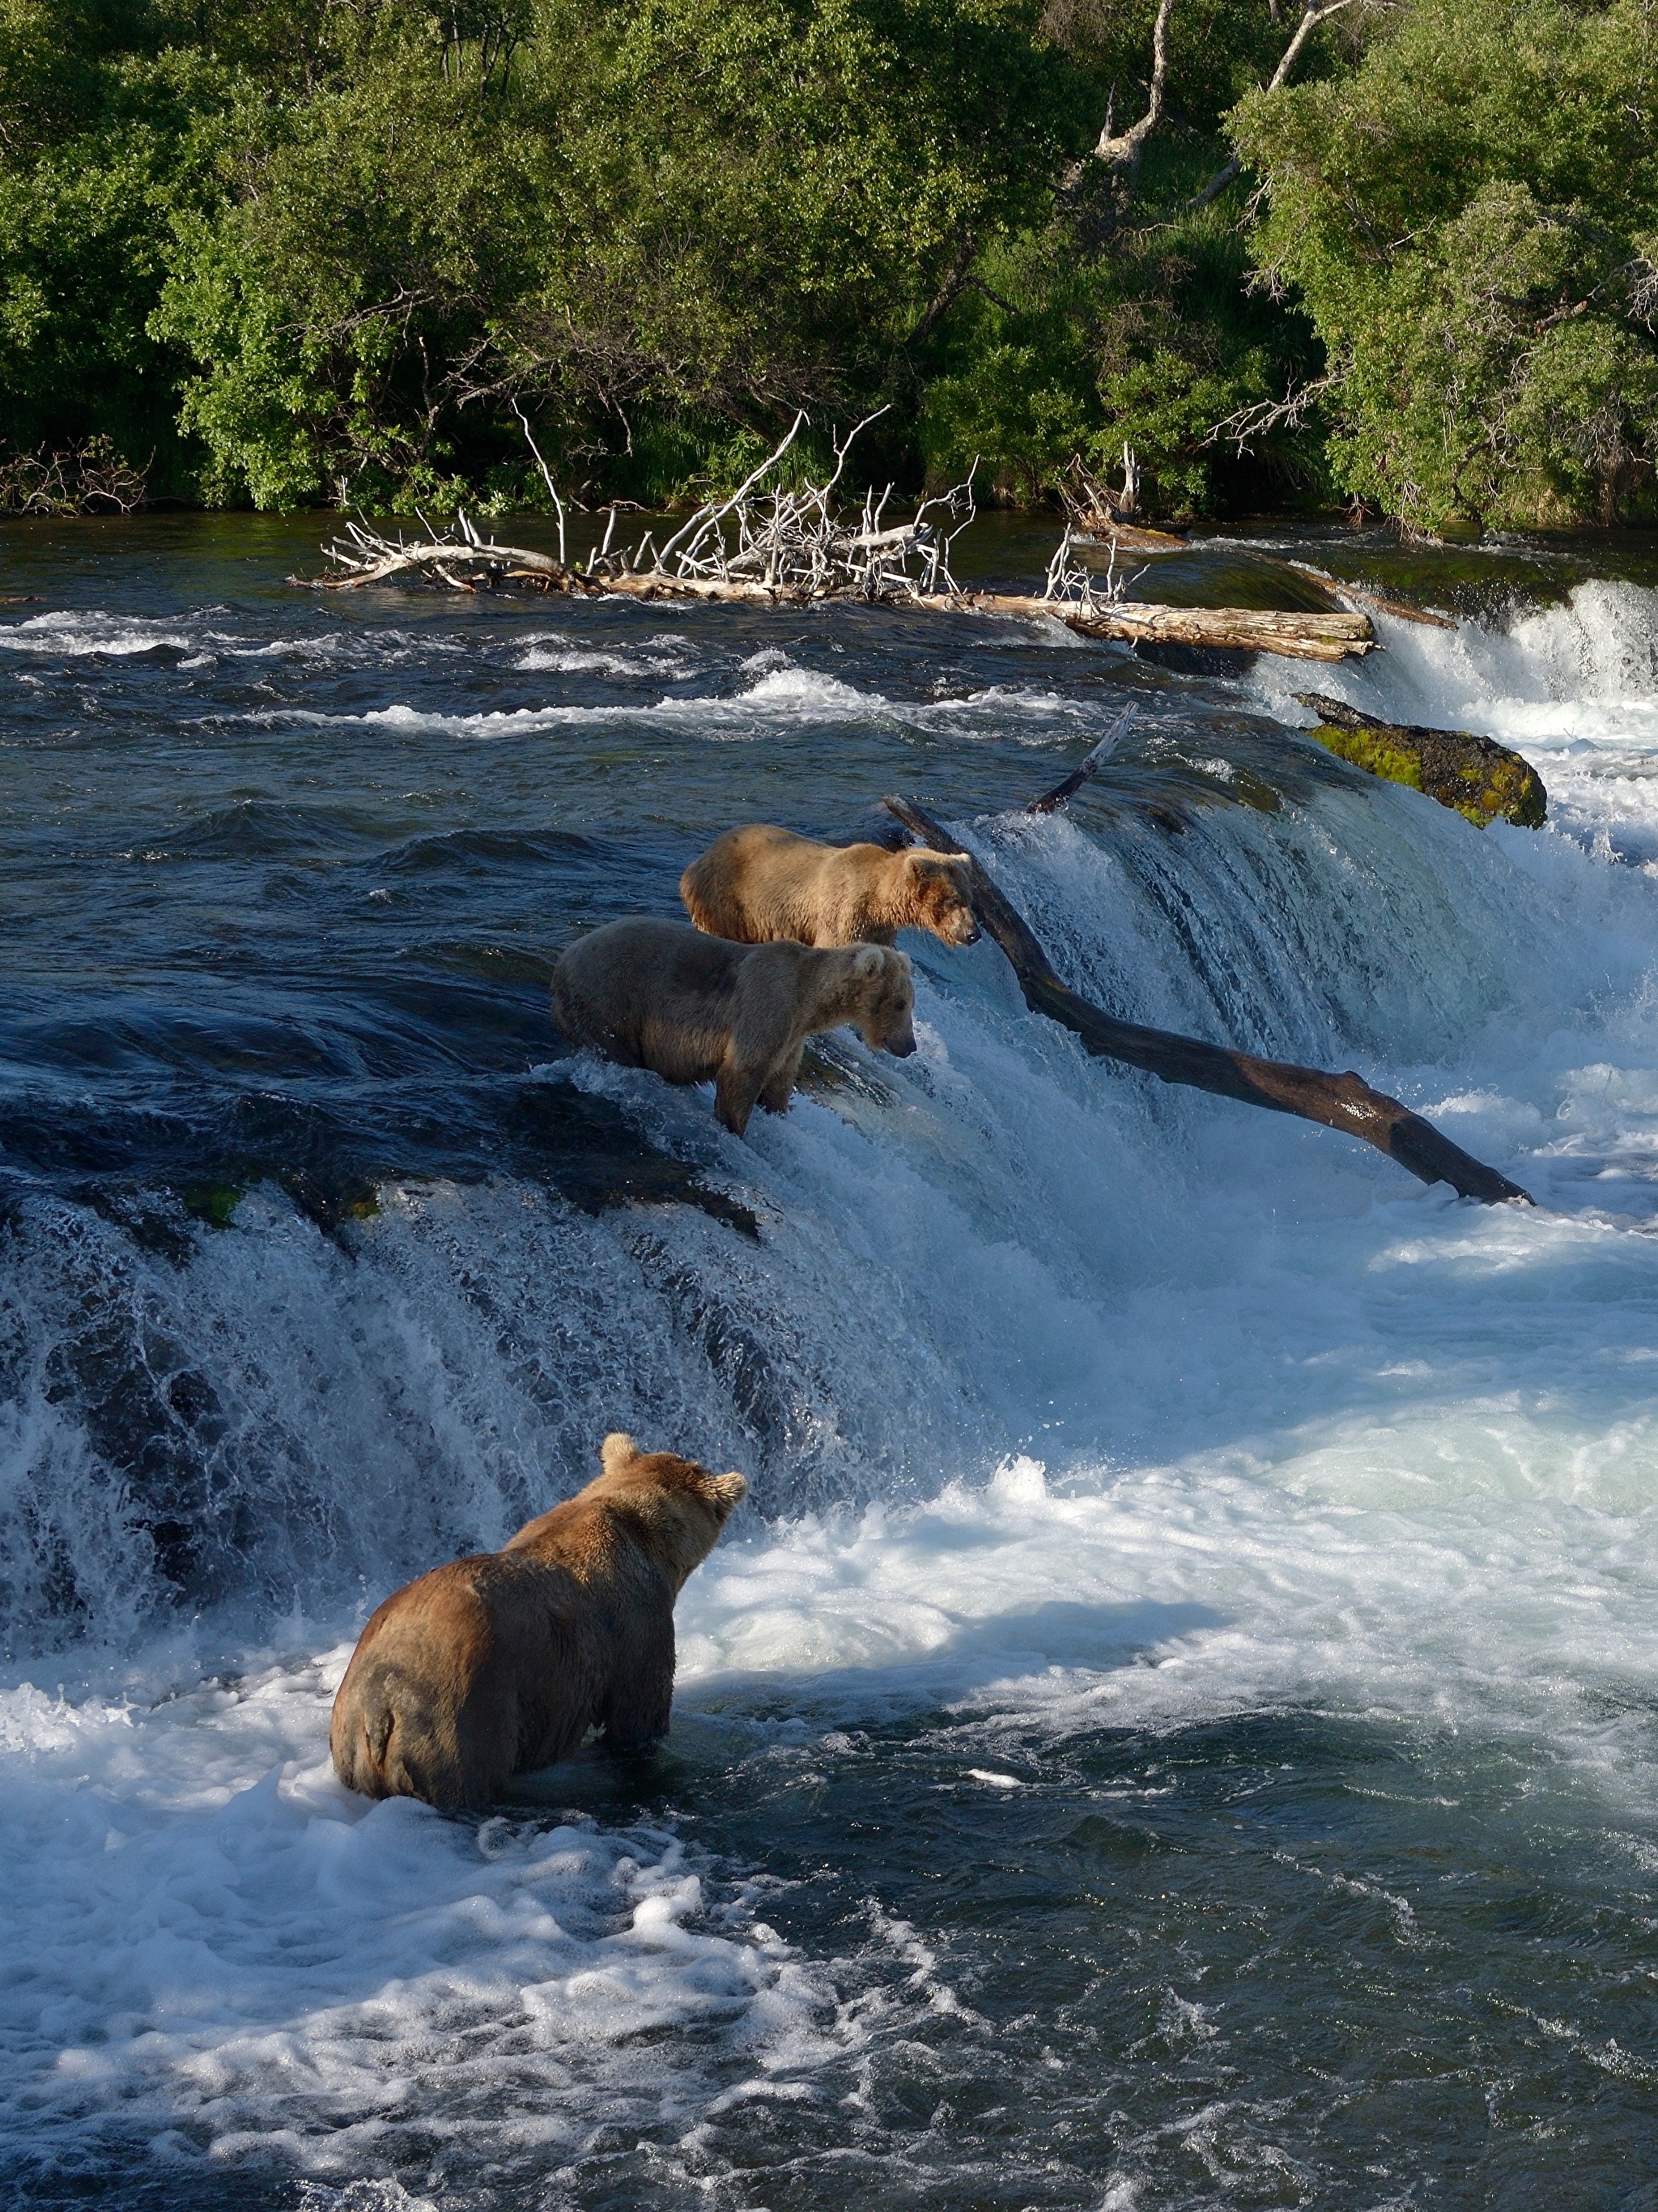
(1175, 1726)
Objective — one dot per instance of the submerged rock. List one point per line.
(1475, 775)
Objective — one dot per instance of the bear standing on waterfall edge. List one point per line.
(694, 1008)
(759, 883)
(498, 1664)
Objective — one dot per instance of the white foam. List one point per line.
(1076, 1401)
(73, 634)
(215, 1941)
(780, 692)
(558, 652)
(1573, 687)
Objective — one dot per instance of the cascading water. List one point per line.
(1177, 1725)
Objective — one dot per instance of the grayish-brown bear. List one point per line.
(656, 994)
(495, 1665)
(759, 882)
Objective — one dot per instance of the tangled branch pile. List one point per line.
(88, 479)
(776, 545)
(792, 548)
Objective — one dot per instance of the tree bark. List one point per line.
(1247, 630)
(1344, 1102)
(1327, 637)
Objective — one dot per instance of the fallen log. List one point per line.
(1099, 517)
(1344, 1102)
(1474, 776)
(1127, 537)
(794, 548)
(1323, 637)
(1341, 589)
(1327, 637)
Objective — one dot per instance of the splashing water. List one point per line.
(1177, 1725)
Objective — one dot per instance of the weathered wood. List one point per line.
(1344, 1102)
(1474, 776)
(1127, 537)
(1089, 765)
(1340, 588)
(1328, 637)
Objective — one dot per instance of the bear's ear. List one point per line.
(728, 1491)
(868, 960)
(618, 1449)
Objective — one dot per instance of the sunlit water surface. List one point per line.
(1176, 1726)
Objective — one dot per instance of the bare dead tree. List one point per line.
(792, 546)
(1245, 424)
(1121, 150)
(1315, 13)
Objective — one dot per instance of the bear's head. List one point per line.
(677, 1506)
(884, 998)
(941, 894)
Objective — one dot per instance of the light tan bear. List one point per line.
(493, 1666)
(656, 994)
(759, 882)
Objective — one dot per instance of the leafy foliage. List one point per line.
(1472, 219)
(327, 249)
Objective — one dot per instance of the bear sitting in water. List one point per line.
(655, 994)
(495, 1665)
(759, 883)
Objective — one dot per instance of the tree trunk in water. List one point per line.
(1342, 1102)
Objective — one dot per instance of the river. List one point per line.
(1177, 1723)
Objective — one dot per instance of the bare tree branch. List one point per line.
(1263, 415)
(1316, 12)
(1121, 150)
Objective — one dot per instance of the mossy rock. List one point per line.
(1475, 776)
(215, 1203)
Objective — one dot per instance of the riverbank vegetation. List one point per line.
(341, 252)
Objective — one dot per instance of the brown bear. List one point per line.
(656, 994)
(760, 883)
(495, 1665)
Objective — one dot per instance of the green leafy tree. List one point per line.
(105, 135)
(1471, 218)
(655, 208)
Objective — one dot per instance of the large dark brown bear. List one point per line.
(760, 883)
(656, 994)
(495, 1665)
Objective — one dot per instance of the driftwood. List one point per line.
(1344, 1102)
(793, 548)
(1340, 588)
(1098, 516)
(1136, 622)
(1474, 776)
(1088, 766)
(89, 479)
(1127, 536)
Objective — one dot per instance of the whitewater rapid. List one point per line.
(1072, 1404)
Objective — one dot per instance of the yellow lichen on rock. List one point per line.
(1475, 776)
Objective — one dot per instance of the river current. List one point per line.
(1177, 1723)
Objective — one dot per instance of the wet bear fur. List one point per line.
(495, 1665)
(760, 883)
(695, 1008)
